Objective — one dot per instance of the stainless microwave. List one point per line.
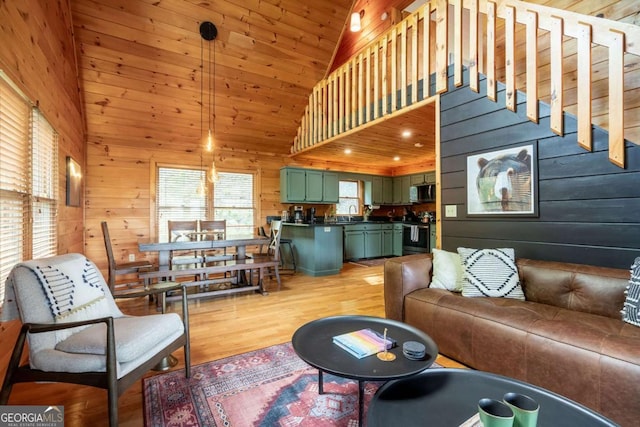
(422, 193)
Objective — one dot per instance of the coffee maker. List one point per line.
(311, 215)
(297, 214)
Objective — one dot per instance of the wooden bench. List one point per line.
(238, 266)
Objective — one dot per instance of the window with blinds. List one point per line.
(233, 200)
(28, 182)
(178, 198)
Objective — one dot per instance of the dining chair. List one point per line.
(273, 253)
(121, 268)
(214, 230)
(180, 231)
(77, 334)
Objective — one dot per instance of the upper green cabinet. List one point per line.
(308, 185)
(330, 187)
(423, 178)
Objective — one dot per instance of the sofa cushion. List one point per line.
(631, 310)
(490, 273)
(447, 271)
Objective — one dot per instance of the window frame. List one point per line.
(30, 180)
(210, 208)
(360, 198)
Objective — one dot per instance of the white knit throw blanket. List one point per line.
(73, 289)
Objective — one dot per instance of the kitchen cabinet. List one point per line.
(368, 240)
(401, 186)
(423, 178)
(405, 184)
(373, 242)
(308, 185)
(313, 187)
(387, 239)
(317, 247)
(353, 242)
(397, 239)
(330, 187)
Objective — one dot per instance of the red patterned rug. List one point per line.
(268, 387)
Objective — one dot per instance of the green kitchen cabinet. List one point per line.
(363, 240)
(354, 246)
(387, 190)
(387, 239)
(373, 242)
(405, 185)
(317, 248)
(379, 190)
(330, 187)
(293, 185)
(308, 185)
(397, 239)
(314, 185)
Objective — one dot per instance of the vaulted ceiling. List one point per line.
(140, 68)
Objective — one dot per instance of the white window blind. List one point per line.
(177, 197)
(28, 182)
(14, 178)
(44, 196)
(233, 201)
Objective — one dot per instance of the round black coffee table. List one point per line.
(313, 342)
(448, 397)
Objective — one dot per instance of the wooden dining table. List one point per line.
(164, 249)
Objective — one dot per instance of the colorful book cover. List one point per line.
(363, 343)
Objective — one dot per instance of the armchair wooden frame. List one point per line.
(107, 380)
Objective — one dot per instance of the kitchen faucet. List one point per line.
(355, 209)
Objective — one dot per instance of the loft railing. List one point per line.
(393, 73)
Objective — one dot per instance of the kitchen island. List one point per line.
(318, 247)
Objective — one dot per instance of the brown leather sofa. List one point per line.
(567, 336)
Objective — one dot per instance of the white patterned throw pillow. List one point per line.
(490, 273)
(631, 308)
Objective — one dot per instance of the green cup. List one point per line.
(524, 408)
(494, 413)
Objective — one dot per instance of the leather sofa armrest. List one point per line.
(402, 276)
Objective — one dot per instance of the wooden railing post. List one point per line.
(366, 88)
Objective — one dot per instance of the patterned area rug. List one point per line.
(268, 387)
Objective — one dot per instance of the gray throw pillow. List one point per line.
(490, 273)
(631, 308)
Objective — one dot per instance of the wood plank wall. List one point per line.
(587, 206)
(119, 190)
(37, 53)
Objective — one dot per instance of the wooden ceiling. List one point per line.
(140, 73)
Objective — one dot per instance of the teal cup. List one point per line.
(524, 408)
(494, 413)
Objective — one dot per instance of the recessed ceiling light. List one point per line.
(347, 151)
(396, 158)
(418, 144)
(406, 134)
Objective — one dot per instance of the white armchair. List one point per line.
(77, 334)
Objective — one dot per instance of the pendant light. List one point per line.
(209, 32)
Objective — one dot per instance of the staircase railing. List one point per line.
(392, 74)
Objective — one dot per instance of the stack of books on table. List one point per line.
(363, 343)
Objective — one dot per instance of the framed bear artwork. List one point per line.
(503, 182)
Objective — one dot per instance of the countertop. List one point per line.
(354, 222)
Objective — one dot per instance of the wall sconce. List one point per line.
(356, 21)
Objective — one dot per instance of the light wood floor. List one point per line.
(225, 326)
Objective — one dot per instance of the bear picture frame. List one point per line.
(503, 182)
